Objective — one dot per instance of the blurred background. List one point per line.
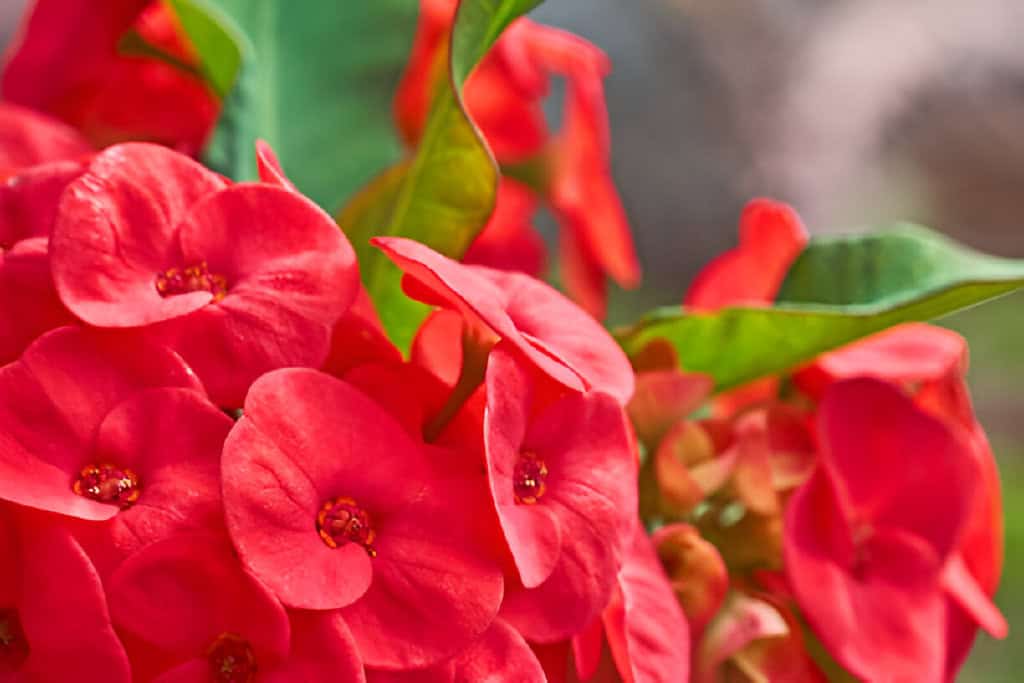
(859, 113)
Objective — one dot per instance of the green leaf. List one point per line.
(215, 38)
(839, 290)
(445, 193)
(314, 79)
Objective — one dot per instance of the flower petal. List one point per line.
(53, 400)
(554, 334)
(116, 231)
(181, 593)
(771, 237)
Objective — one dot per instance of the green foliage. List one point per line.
(314, 80)
(839, 290)
(445, 193)
(216, 40)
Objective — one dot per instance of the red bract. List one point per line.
(760, 638)
(644, 625)
(188, 612)
(973, 575)
(28, 138)
(698, 574)
(28, 301)
(54, 624)
(905, 354)
(238, 279)
(500, 654)
(188, 598)
(68, 61)
(503, 96)
(931, 362)
(358, 338)
(53, 401)
(540, 323)
(867, 537)
(332, 505)
(176, 471)
(771, 237)
(563, 480)
(562, 476)
(662, 399)
(596, 240)
(509, 241)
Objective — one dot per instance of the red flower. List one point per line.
(500, 654)
(54, 624)
(867, 537)
(28, 138)
(698, 575)
(540, 323)
(503, 96)
(358, 337)
(562, 475)
(67, 61)
(596, 240)
(332, 505)
(28, 301)
(176, 470)
(771, 237)
(758, 636)
(59, 411)
(644, 625)
(906, 354)
(931, 362)
(211, 621)
(662, 399)
(509, 241)
(238, 279)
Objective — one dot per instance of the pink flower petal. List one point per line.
(554, 334)
(645, 626)
(771, 237)
(269, 167)
(183, 592)
(28, 138)
(54, 399)
(116, 231)
(893, 464)
(58, 579)
(913, 352)
(178, 471)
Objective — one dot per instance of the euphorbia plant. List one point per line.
(283, 398)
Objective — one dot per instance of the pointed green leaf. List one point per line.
(445, 193)
(315, 80)
(839, 290)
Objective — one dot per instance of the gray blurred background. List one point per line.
(858, 112)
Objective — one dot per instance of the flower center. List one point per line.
(13, 646)
(341, 521)
(528, 478)
(231, 659)
(195, 278)
(108, 483)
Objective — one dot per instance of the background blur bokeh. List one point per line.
(858, 112)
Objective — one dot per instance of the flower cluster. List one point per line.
(241, 476)
(215, 465)
(854, 504)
